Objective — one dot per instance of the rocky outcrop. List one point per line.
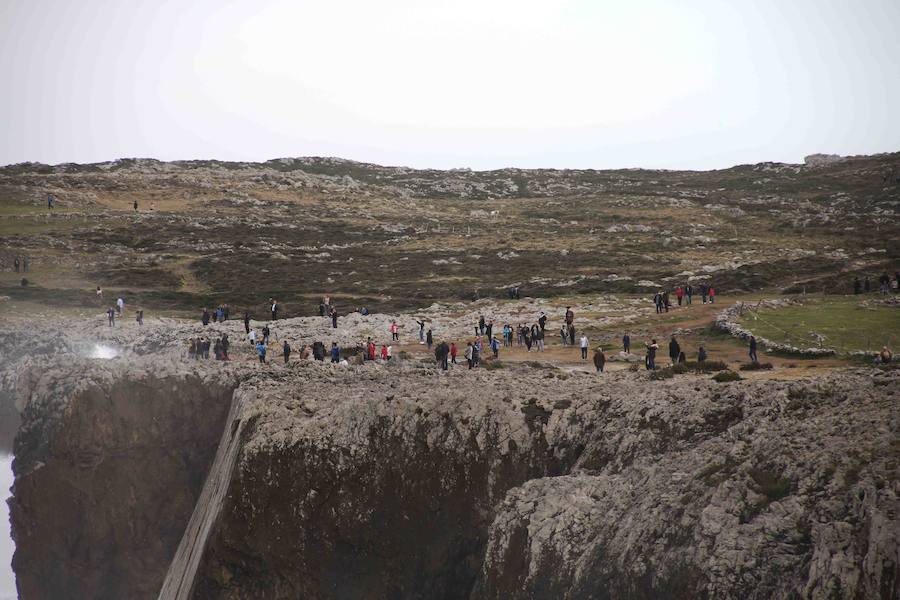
(749, 491)
(398, 481)
(372, 483)
(364, 484)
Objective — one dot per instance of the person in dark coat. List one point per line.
(674, 350)
(247, 321)
(286, 351)
(599, 359)
(753, 349)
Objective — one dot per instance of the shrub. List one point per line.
(709, 366)
(726, 376)
(667, 373)
(492, 365)
(756, 366)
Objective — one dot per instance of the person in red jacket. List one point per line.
(453, 353)
(679, 293)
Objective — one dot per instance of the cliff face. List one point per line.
(400, 482)
(745, 491)
(382, 485)
(371, 485)
(109, 462)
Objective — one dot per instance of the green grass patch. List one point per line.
(842, 322)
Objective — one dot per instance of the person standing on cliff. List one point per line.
(111, 316)
(495, 347)
(334, 318)
(626, 343)
(584, 346)
(140, 317)
(286, 351)
(247, 321)
(335, 352)
(421, 330)
(50, 200)
(674, 350)
(599, 359)
(650, 361)
(453, 352)
(395, 332)
(261, 352)
(204, 316)
(274, 309)
(468, 354)
(753, 358)
(16, 263)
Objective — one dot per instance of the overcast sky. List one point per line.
(462, 83)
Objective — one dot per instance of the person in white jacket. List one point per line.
(584, 346)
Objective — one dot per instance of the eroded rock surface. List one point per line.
(398, 481)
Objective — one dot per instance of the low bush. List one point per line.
(726, 376)
(756, 366)
(708, 366)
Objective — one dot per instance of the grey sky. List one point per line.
(477, 83)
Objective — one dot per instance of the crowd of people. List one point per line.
(198, 348)
(684, 296)
(884, 284)
(486, 338)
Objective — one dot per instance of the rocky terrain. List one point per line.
(392, 238)
(140, 473)
(399, 481)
